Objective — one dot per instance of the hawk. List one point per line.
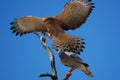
(74, 14)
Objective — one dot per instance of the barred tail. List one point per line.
(68, 43)
(85, 70)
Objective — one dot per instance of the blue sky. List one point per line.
(23, 58)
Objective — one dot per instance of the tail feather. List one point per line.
(85, 64)
(85, 70)
(68, 43)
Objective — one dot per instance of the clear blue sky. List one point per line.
(23, 58)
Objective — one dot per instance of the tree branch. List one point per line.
(53, 76)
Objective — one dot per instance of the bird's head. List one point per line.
(48, 19)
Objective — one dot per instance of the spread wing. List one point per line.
(28, 24)
(75, 14)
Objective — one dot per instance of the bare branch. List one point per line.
(53, 76)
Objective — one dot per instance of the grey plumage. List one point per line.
(71, 59)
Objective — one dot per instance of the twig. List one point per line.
(53, 76)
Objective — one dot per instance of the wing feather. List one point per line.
(28, 24)
(74, 14)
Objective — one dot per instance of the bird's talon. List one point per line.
(48, 35)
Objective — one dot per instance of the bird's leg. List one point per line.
(48, 35)
(71, 70)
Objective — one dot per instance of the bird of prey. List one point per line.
(74, 14)
(73, 60)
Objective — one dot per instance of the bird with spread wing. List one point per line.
(74, 14)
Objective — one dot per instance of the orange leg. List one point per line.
(71, 70)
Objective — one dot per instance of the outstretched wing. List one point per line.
(28, 24)
(75, 14)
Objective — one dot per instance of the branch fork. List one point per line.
(53, 76)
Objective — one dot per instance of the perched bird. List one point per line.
(75, 13)
(73, 60)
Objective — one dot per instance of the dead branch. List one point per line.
(53, 76)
